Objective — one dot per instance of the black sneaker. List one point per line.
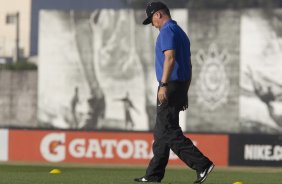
(202, 176)
(144, 180)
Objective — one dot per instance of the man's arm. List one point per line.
(168, 65)
(167, 69)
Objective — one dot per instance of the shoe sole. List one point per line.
(139, 180)
(209, 171)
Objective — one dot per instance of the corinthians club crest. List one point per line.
(213, 84)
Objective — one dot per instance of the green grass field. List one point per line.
(35, 174)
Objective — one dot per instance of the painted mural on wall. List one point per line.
(214, 92)
(261, 86)
(213, 85)
(97, 70)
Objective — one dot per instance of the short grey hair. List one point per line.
(166, 12)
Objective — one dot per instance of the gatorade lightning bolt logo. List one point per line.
(213, 84)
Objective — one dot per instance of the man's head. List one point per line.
(157, 14)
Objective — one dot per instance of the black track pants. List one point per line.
(168, 135)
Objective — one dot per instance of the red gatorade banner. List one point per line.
(102, 147)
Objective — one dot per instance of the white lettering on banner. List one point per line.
(263, 152)
(77, 148)
(94, 147)
(141, 148)
(108, 144)
(172, 155)
(277, 151)
(127, 152)
(52, 148)
(4, 135)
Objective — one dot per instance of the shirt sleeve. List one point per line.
(167, 40)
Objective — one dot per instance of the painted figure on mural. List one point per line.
(266, 95)
(128, 105)
(84, 36)
(96, 111)
(74, 103)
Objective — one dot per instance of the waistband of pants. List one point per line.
(175, 81)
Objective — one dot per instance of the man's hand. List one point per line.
(162, 95)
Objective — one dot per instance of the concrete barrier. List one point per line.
(18, 98)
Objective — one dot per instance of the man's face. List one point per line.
(155, 19)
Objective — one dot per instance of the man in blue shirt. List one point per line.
(174, 72)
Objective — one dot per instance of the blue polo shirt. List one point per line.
(172, 37)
